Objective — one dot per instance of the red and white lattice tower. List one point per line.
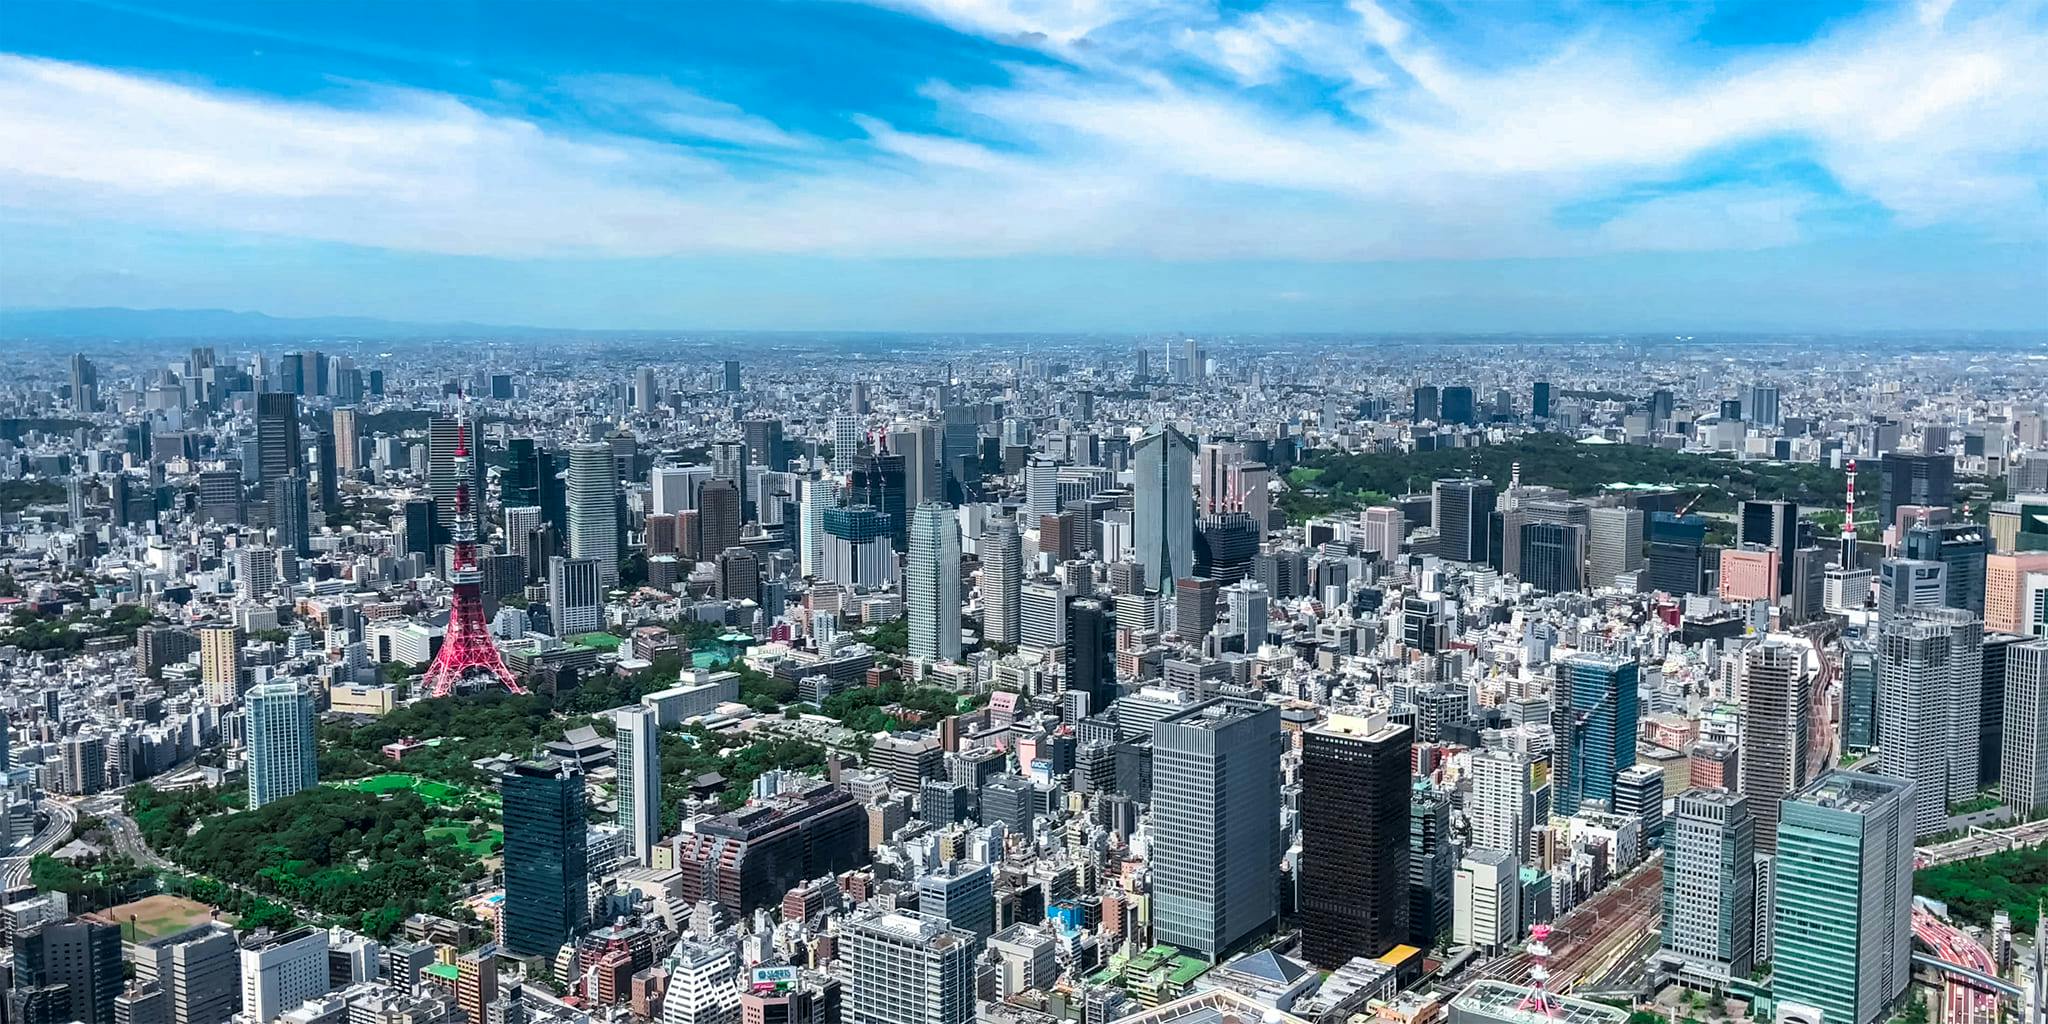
(466, 647)
(1540, 999)
(1848, 556)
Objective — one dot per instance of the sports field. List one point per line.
(160, 915)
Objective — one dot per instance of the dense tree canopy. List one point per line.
(2015, 881)
(1335, 481)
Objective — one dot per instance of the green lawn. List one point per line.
(438, 793)
(486, 847)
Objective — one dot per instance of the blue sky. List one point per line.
(1114, 165)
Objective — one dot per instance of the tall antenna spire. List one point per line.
(1848, 557)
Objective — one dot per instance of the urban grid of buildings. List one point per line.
(1089, 684)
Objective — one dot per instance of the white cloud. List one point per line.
(1940, 119)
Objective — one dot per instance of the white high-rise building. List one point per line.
(1500, 803)
(637, 743)
(1001, 550)
(1041, 487)
(1384, 528)
(575, 595)
(2023, 773)
(282, 972)
(816, 497)
(1486, 900)
(593, 497)
(907, 968)
(283, 758)
(847, 443)
(931, 586)
(703, 985)
(1042, 614)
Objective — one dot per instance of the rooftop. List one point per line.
(1499, 1000)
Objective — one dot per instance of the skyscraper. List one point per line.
(1001, 552)
(816, 497)
(278, 452)
(907, 968)
(1355, 790)
(1601, 690)
(348, 441)
(1709, 889)
(290, 513)
(1929, 681)
(1499, 808)
(1963, 548)
(637, 752)
(1459, 510)
(931, 585)
(1487, 900)
(718, 516)
(1616, 544)
(593, 494)
(85, 385)
(1908, 479)
(1842, 927)
(1677, 553)
(66, 971)
(2023, 777)
(846, 443)
(283, 758)
(220, 662)
(1432, 864)
(1777, 705)
(963, 895)
(1163, 507)
(1553, 557)
(546, 856)
(575, 595)
(283, 970)
(1091, 651)
(1216, 800)
(738, 575)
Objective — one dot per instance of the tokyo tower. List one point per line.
(466, 647)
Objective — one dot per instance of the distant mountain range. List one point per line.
(119, 323)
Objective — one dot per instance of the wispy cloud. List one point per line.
(1166, 129)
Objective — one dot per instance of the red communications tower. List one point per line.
(1540, 1001)
(466, 648)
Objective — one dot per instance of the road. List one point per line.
(1964, 1003)
(1595, 940)
(59, 816)
(1983, 841)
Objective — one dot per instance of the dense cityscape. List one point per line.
(904, 679)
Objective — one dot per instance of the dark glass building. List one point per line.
(1355, 790)
(1091, 651)
(547, 868)
(1458, 406)
(1225, 544)
(1906, 479)
(1677, 552)
(1963, 547)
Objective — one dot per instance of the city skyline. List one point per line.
(1289, 167)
